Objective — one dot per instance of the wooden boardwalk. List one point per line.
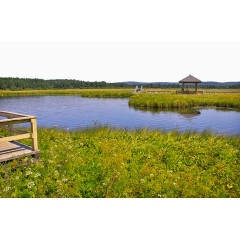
(11, 149)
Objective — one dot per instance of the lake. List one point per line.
(76, 112)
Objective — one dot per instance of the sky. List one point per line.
(121, 62)
(118, 41)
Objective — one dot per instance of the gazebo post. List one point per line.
(196, 87)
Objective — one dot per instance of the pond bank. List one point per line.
(101, 93)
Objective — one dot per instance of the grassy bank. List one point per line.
(206, 91)
(107, 94)
(116, 163)
(168, 101)
(83, 92)
(103, 92)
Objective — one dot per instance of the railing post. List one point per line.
(10, 126)
(10, 131)
(34, 134)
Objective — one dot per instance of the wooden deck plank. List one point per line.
(12, 150)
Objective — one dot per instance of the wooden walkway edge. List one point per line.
(11, 149)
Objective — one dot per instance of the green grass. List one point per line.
(104, 162)
(100, 93)
(168, 101)
(107, 94)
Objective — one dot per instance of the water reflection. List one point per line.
(187, 113)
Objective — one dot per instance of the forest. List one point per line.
(13, 84)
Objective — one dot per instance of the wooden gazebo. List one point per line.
(190, 79)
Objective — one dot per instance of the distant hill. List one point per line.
(209, 84)
(134, 83)
(8, 83)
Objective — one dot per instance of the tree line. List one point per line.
(28, 83)
(14, 84)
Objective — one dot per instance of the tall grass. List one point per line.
(101, 93)
(116, 163)
(107, 94)
(206, 91)
(39, 92)
(167, 101)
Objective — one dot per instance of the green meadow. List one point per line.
(107, 94)
(101, 93)
(173, 101)
(111, 163)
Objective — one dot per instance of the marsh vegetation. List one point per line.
(100, 93)
(103, 162)
(171, 101)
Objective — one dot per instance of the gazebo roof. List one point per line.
(190, 79)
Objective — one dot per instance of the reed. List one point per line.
(171, 101)
(102, 162)
(107, 94)
(100, 93)
(206, 91)
(38, 92)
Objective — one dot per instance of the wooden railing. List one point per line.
(15, 118)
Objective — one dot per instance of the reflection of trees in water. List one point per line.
(187, 113)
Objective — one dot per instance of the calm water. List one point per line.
(76, 112)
